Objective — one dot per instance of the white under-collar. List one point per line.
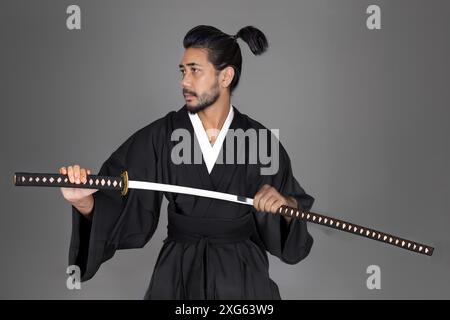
(210, 152)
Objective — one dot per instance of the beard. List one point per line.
(205, 100)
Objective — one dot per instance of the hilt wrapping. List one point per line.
(355, 229)
(27, 179)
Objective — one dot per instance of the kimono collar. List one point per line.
(210, 152)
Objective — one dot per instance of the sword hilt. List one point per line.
(27, 179)
(355, 229)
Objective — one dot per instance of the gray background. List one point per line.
(363, 114)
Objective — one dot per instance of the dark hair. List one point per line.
(223, 49)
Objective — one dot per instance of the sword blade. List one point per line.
(133, 184)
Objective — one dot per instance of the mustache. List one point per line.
(185, 91)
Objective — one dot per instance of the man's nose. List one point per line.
(186, 81)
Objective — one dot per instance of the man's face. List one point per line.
(199, 80)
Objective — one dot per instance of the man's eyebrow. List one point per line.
(191, 64)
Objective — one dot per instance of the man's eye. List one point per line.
(194, 70)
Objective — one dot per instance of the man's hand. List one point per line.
(268, 199)
(81, 198)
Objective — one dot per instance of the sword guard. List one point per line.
(124, 177)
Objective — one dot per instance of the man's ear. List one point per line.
(226, 76)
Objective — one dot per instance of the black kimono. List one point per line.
(214, 249)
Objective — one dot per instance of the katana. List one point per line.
(122, 184)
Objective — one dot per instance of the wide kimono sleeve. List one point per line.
(118, 222)
(289, 241)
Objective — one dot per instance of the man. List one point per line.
(214, 249)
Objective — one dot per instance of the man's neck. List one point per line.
(215, 115)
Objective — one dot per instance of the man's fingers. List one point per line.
(262, 201)
(268, 199)
(269, 192)
(257, 199)
(267, 202)
(275, 205)
(70, 174)
(261, 194)
(76, 173)
(83, 175)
